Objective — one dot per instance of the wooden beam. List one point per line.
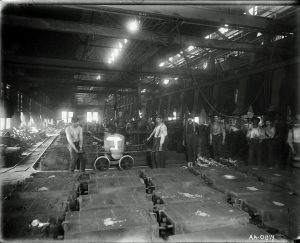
(69, 83)
(196, 14)
(60, 64)
(239, 75)
(83, 91)
(91, 29)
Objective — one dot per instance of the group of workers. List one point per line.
(262, 140)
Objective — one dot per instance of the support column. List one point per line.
(196, 105)
(181, 103)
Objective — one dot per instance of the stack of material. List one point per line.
(269, 196)
(36, 208)
(113, 207)
(186, 204)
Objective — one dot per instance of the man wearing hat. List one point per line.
(255, 136)
(217, 136)
(294, 141)
(190, 139)
(160, 133)
(75, 141)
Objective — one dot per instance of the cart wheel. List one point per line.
(126, 162)
(101, 163)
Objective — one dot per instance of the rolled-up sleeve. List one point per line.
(163, 133)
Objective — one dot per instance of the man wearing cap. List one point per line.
(159, 143)
(190, 139)
(217, 136)
(75, 140)
(255, 136)
(294, 141)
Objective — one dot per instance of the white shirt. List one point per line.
(160, 131)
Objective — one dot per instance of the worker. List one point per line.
(294, 141)
(269, 142)
(160, 133)
(255, 136)
(75, 141)
(190, 139)
(217, 136)
(234, 138)
(114, 143)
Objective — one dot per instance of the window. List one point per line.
(8, 123)
(2, 123)
(253, 11)
(95, 116)
(70, 115)
(66, 116)
(92, 116)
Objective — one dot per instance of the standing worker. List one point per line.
(255, 136)
(190, 139)
(75, 140)
(217, 136)
(160, 133)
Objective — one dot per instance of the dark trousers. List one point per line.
(270, 152)
(217, 145)
(191, 147)
(75, 157)
(234, 144)
(158, 157)
(255, 152)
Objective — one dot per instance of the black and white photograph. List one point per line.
(150, 121)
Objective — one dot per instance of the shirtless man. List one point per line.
(75, 140)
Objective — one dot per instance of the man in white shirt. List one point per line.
(255, 136)
(160, 133)
(75, 140)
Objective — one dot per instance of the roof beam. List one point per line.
(60, 64)
(83, 91)
(241, 74)
(91, 29)
(69, 83)
(196, 14)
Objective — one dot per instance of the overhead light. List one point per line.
(120, 45)
(176, 78)
(226, 25)
(166, 81)
(178, 55)
(171, 59)
(207, 37)
(258, 34)
(116, 52)
(133, 26)
(162, 64)
(190, 48)
(223, 30)
(98, 77)
(181, 52)
(143, 91)
(125, 41)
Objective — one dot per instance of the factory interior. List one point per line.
(136, 122)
